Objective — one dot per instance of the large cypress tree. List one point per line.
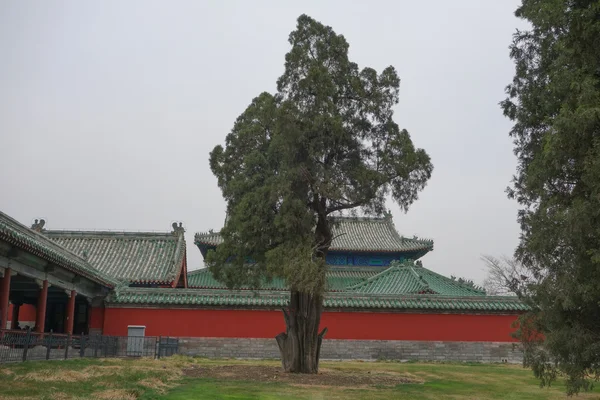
(554, 100)
(324, 143)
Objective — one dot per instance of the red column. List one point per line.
(70, 313)
(4, 296)
(40, 315)
(15, 316)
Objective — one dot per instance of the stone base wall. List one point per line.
(369, 350)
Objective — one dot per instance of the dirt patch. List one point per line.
(325, 377)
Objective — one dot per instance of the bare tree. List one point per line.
(506, 276)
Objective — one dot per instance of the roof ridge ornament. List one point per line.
(177, 229)
(38, 225)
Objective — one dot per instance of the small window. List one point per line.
(375, 261)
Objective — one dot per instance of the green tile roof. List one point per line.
(373, 235)
(20, 236)
(398, 279)
(394, 280)
(339, 300)
(203, 279)
(408, 278)
(443, 285)
(358, 234)
(146, 258)
(338, 278)
(401, 286)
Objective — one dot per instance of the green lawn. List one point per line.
(196, 378)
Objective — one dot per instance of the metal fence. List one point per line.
(18, 346)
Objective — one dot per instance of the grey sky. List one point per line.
(108, 109)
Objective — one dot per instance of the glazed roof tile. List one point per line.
(403, 285)
(398, 279)
(355, 234)
(337, 278)
(394, 280)
(408, 278)
(148, 257)
(38, 244)
(373, 235)
(203, 279)
(276, 299)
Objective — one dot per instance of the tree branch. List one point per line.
(346, 206)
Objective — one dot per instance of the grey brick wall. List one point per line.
(486, 352)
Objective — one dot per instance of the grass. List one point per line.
(113, 379)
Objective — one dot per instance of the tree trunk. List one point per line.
(301, 343)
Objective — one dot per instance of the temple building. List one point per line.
(381, 302)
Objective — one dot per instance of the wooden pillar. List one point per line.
(40, 315)
(70, 312)
(4, 296)
(15, 316)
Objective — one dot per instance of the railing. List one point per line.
(16, 346)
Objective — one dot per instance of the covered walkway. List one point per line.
(37, 272)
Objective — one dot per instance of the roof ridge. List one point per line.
(68, 232)
(454, 282)
(361, 218)
(374, 278)
(180, 252)
(418, 276)
(126, 288)
(207, 233)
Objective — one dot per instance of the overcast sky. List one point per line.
(108, 109)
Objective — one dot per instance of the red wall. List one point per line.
(96, 317)
(26, 312)
(341, 325)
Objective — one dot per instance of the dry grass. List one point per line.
(156, 385)
(20, 398)
(60, 396)
(60, 375)
(188, 378)
(115, 394)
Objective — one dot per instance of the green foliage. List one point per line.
(324, 143)
(554, 100)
